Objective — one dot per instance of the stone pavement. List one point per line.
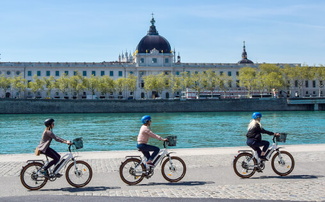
(209, 175)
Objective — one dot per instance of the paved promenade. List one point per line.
(209, 175)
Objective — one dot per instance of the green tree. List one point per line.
(270, 77)
(37, 85)
(175, 83)
(120, 86)
(247, 78)
(77, 83)
(131, 83)
(19, 84)
(105, 85)
(49, 84)
(62, 83)
(92, 84)
(5, 83)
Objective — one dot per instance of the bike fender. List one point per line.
(162, 160)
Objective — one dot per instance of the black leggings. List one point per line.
(257, 144)
(52, 154)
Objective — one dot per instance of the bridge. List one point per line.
(306, 101)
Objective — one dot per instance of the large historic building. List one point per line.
(153, 55)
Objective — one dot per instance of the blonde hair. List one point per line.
(252, 124)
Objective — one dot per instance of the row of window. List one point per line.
(84, 73)
(154, 60)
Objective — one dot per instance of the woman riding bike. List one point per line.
(143, 138)
(254, 136)
(44, 145)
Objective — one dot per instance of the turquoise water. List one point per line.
(20, 133)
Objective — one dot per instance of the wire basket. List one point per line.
(78, 143)
(172, 140)
(282, 137)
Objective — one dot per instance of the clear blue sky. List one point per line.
(211, 31)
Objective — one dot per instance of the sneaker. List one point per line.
(58, 175)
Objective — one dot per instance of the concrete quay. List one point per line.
(209, 176)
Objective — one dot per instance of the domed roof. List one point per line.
(153, 41)
(244, 59)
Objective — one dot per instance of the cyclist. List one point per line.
(44, 145)
(143, 138)
(254, 136)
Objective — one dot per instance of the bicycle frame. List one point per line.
(62, 162)
(163, 153)
(274, 147)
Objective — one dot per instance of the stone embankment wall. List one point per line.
(37, 106)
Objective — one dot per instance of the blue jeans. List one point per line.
(145, 149)
(257, 144)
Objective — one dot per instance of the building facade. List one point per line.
(153, 56)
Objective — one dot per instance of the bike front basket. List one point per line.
(172, 140)
(282, 137)
(78, 143)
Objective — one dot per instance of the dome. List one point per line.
(244, 59)
(153, 41)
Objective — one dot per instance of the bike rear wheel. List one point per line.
(132, 171)
(78, 174)
(283, 163)
(173, 169)
(245, 165)
(31, 178)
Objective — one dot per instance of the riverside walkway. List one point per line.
(209, 176)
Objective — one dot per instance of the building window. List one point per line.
(120, 73)
(141, 60)
(84, 73)
(229, 73)
(57, 73)
(48, 73)
(8, 72)
(75, 73)
(29, 73)
(17, 72)
(93, 73)
(177, 73)
(131, 72)
(154, 60)
(66, 73)
(237, 73)
(296, 83)
(166, 60)
(102, 73)
(314, 84)
(237, 83)
(306, 84)
(111, 73)
(221, 73)
(38, 73)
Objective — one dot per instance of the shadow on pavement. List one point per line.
(307, 177)
(188, 183)
(72, 189)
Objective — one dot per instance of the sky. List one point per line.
(205, 31)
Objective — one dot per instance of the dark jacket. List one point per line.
(255, 132)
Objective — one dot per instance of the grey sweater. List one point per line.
(46, 140)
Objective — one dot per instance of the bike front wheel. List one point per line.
(79, 174)
(173, 169)
(245, 165)
(283, 163)
(31, 178)
(132, 171)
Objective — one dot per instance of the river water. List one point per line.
(20, 133)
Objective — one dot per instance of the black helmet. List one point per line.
(48, 122)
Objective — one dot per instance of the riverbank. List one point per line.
(42, 106)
